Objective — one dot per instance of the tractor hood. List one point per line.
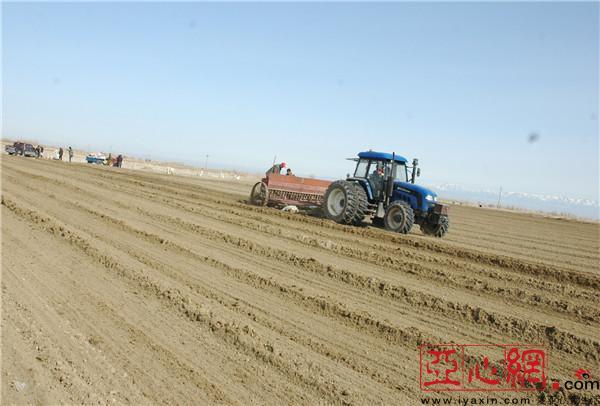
(414, 188)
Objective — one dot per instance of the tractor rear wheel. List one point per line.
(399, 217)
(260, 194)
(345, 202)
(437, 230)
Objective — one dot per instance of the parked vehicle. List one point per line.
(29, 151)
(15, 149)
(98, 159)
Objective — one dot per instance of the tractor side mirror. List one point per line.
(418, 171)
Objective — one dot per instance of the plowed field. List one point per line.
(136, 288)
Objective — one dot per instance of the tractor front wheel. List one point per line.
(260, 194)
(399, 217)
(436, 230)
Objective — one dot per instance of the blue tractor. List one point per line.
(382, 189)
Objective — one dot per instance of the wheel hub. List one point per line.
(336, 202)
(395, 218)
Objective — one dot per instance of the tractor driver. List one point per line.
(379, 171)
(376, 179)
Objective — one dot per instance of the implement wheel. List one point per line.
(260, 194)
(345, 202)
(399, 217)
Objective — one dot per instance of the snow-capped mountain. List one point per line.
(556, 204)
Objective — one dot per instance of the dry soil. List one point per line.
(138, 288)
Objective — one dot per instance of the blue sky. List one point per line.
(458, 85)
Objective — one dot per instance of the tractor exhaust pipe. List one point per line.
(390, 183)
(414, 170)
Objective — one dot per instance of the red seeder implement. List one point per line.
(288, 190)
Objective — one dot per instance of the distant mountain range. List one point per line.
(554, 204)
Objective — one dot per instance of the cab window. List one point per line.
(380, 168)
(361, 169)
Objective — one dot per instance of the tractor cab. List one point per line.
(377, 169)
